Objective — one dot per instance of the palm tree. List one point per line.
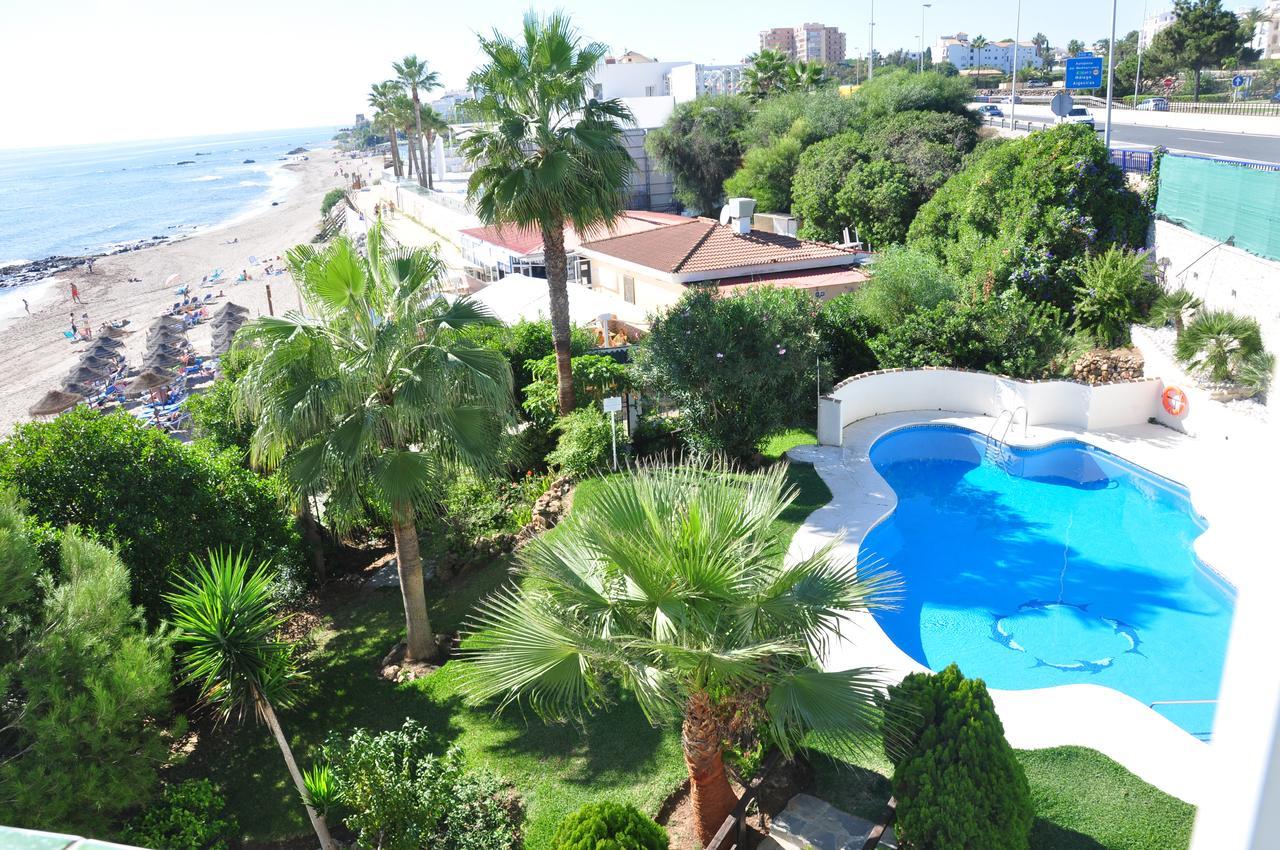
(804, 76)
(1041, 41)
(225, 628)
(671, 581)
(414, 78)
(374, 395)
(433, 123)
(402, 107)
(766, 73)
(547, 154)
(977, 44)
(382, 98)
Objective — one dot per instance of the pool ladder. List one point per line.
(997, 449)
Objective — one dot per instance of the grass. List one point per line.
(1083, 800)
(776, 444)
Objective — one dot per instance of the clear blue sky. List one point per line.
(106, 70)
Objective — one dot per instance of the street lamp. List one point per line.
(1111, 73)
(1013, 88)
(871, 43)
(923, 6)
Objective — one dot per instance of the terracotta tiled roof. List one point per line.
(802, 279)
(523, 241)
(702, 245)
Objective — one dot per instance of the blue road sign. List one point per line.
(1084, 72)
(1237, 81)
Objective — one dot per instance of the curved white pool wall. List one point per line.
(1062, 403)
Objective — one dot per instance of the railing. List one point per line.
(876, 835)
(1139, 162)
(733, 832)
(1259, 166)
(1010, 124)
(1044, 96)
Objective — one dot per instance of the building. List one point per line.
(808, 42)
(1266, 32)
(1152, 25)
(958, 49)
(653, 268)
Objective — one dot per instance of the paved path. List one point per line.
(808, 822)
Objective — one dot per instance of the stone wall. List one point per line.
(1109, 367)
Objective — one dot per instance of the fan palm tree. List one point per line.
(433, 124)
(374, 395)
(978, 43)
(382, 98)
(415, 77)
(671, 582)
(1041, 42)
(402, 108)
(766, 73)
(547, 153)
(225, 629)
(1216, 343)
(804, 76)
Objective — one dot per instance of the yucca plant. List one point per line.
(1217, 343)
(671, 582)
(1117, 288)
(1175, 308)
(226, 627)
(320, 789)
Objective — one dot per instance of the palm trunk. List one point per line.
(395, 152)
(422, 160)
(713, 799)
(409, 154)
(430, 144)
(311, 533)
(557, 279)
(318, 823)
(420, 643)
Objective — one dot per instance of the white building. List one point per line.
(1153, 25)
(1266, 32)
(958, 49)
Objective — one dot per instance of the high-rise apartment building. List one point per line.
(810, 42)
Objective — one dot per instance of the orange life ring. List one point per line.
(1174, 401)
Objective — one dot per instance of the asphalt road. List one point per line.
(1224, 145)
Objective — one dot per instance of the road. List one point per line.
(1249, 146)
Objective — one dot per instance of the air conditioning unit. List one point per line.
(740, 208)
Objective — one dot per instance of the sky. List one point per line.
(91, 71)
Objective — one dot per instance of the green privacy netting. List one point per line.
(1222, 200)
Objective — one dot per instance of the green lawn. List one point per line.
(777, 444)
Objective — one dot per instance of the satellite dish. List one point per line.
(725, 215)
(1061, 104)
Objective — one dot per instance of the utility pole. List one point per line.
(871, 43)
(923, 6)
(1013, 90)
(1137, 78)
(1111, 74)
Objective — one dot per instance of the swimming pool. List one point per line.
(1057, 565)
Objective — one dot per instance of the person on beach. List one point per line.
(26, 306)
(75, 294)
(74, 330)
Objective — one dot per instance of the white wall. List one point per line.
(633, 79)
(1226, 278)
(1061, 403)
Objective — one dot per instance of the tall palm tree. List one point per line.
(804, 76)
(225, 628)
(433, 124)
(978, 43)
(382, 98)
(415, 77)
(547, 154)
(402, 106)
(671, 581)
(766, 73)
(374, 394)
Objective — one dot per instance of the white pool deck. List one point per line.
(1227, 475)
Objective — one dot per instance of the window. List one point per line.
(629, 289)
(648, 91)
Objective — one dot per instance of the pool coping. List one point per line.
(1094, 716)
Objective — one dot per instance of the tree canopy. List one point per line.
(1201, 36)
(700, 146)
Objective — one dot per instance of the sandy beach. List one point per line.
(38, 355)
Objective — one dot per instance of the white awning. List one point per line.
(517, 297)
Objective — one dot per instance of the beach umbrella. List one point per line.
(149, 380)
(101, 364)
(172, 279)
(171, 322)
(163, 357)
(230, 308)
(155, 338)
(106, 343)
(55, 401)
(112, 332)
(82, 374)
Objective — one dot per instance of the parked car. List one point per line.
(1013, 98)
(1078, 115)
(1275, 98)
(1158, 104)
(1038, 84)
(990, 110)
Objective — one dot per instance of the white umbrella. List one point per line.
(172, 279)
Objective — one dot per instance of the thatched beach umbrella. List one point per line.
(112, 332)
(105, 348)
(149, 380)
(105, 365)
(230, 307)
(55, 401)
(165, 332)
(86, 374)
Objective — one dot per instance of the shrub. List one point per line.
(699, 147)
(1005, 334)
(190, 816)
(878, 200)
(1117, 289)
(159, 501)
(526, 342)
(331, 199)
(901, 91)
(609, 826)
(739, 367)
(956, 779)
(594, 377)
(1256, 371)
(1217, 343)
(213, 417)
(904, 281)
(931, 146)
(1175, 308)
(401, 797)
(81, 698)
(1024, 213)
(820, 173)
(844, 333)
(656, 434)
(826, 113)
(585, 444)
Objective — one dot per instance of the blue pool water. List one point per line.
(1059, 565)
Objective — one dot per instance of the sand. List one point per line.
(36, 356)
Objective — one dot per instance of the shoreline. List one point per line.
(132, 284)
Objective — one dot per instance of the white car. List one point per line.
(1078, 115)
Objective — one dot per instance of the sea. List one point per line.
(91, 199)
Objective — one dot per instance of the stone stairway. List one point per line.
(808, 822)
